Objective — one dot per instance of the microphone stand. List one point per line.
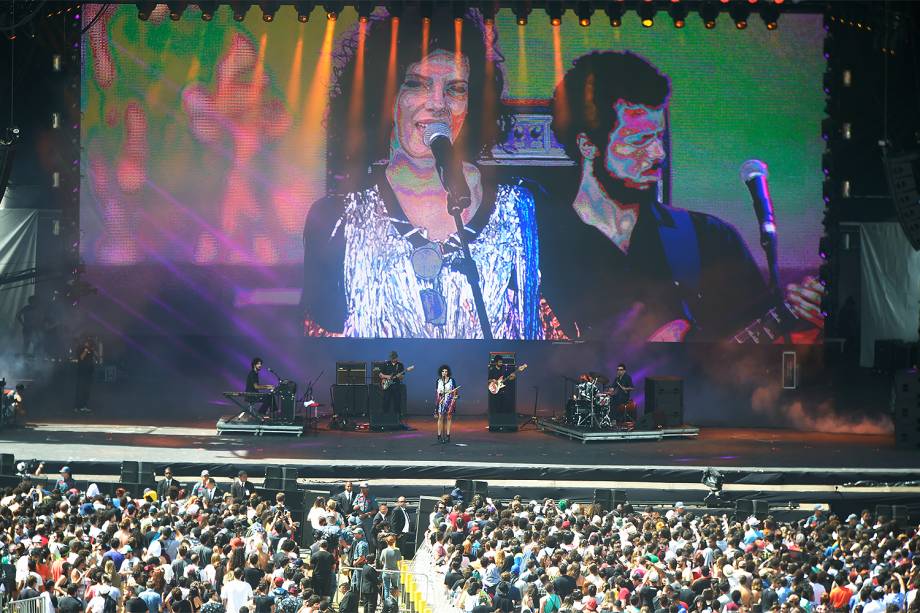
(455, 207)
(768, 243)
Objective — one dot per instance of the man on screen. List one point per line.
(618, 260)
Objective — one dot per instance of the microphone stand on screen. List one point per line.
(450, 171)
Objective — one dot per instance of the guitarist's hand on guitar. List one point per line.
(805, 300)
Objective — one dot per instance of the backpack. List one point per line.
(109, 605)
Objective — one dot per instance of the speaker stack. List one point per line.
(136, 476)
(280, 478)
(503, 406)
(664, 401)
(609, 499)
(907, 409)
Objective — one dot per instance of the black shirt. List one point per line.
(252, 576)
(263, 603)
(389, 368)
(593, 287)
(252, 380)
(619, 394)
(322, 563)
(69, 604)
(564, 585)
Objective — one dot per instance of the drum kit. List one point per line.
(591, 405)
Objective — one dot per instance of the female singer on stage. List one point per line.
(447, 402)
(382, 258)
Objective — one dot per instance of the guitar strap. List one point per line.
(682, 251)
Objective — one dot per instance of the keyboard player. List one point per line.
(254, 387)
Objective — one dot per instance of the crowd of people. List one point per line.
(556, 556)
(185, 548)
(200, 547)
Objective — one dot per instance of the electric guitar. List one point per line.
(495, 385)
(387, 380)
(776, 322)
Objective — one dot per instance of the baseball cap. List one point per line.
(279, 580)
(678, 505)
(591, 604)
(205, 473)
(363, 484)
(65, 469)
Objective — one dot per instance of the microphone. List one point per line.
(269, 369)
(449, 166)
(754, 173)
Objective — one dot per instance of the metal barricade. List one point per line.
(436, 596)
(30, 605)
(386, 580)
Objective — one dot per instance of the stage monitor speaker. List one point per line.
(481, 488)
(351, 373)
(381, 418)
(883, 510)
(902, 171)
(350, 401)
(7, 464)
(761, 509)
(899, 515)
(648, 421)
(665, 395)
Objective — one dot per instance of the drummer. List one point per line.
(622, 387)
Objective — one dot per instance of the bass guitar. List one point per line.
(387, 380)
(496, 385)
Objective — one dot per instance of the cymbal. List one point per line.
(601, 378)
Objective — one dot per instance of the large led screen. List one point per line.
(603, 167)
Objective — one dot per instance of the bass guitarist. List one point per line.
(392, 372)
(502, 401)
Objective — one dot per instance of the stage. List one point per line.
(778, 455)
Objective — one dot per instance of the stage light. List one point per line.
(239, 10)
(555, 10)
(678, 12)
(709, 13)
(269, 9)
(647, 12)
(176, 9)
(614, 12)
(769, 13)
(487, 9)
(458, 10)
(207, 10)
(303, 11)
(425, 10)
(824, 247)
(364, 11)
(739, 13)
(521, 10)
(584, 12)
(144, 9)
(332, 10)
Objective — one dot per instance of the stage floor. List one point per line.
(93, 438)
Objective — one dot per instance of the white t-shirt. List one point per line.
(235, 593)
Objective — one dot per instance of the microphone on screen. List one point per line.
(754, 173)
(449, 166)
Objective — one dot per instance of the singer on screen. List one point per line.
(675, 274)
(381, 255)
